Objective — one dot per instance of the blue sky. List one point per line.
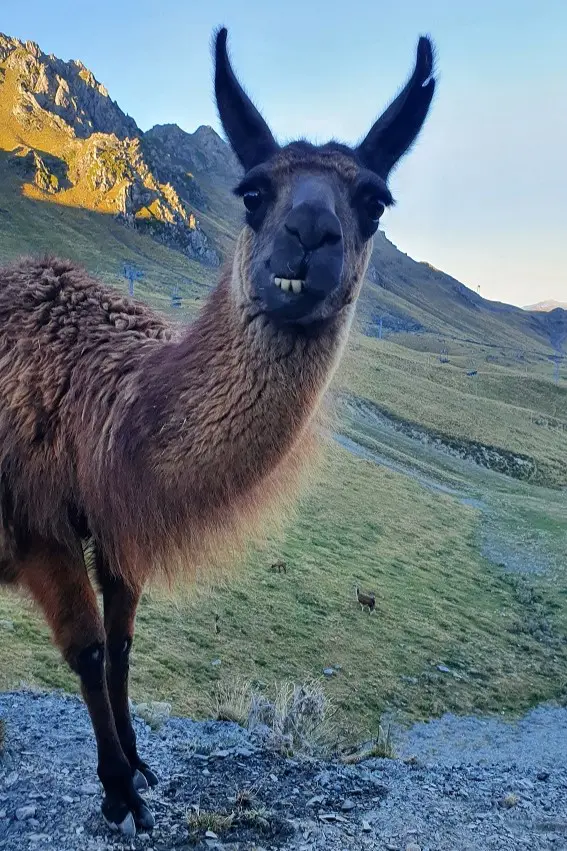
(483, 195)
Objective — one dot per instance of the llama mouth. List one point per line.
(294, 285)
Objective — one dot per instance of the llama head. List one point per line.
(311, 211)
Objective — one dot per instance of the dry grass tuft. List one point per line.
(294, 719)
(232, 701)
(154, 713)
(247, 798)
(298, 720)
(382, 747)
(246, 811)
(203, 820)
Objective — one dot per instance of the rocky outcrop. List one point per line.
(65, 90)
(189, 160)
(200, 152)
(101, 151)
(192, 241)
(141, 200)
(48, 173)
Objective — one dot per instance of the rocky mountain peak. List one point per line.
(547, 306)
(8, 45)
(73, 138)
(202, 151)
(62, 94)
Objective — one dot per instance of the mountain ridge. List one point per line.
(69, 143)
(69, 139)
(546, 306)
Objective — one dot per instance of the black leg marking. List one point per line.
(89, 665)
(120, 603)
(123, 808)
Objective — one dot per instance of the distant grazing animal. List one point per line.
(280, 566)
(160, 448)
(366, 600)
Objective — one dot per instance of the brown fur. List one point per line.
(156, 447)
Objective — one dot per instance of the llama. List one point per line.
(155, 446)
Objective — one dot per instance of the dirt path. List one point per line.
(505, 537)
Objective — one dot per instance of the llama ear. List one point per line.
(250, 137)
(398, 127)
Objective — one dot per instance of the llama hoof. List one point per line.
(139, 781)
(146, 771)
(145, 818)
(119, 818)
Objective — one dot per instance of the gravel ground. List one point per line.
(459, 784)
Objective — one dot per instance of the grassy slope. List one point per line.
(440, 302)
(439, 602)
(526, 413)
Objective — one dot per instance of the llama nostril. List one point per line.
(313, 226)
(333, 236)
(293, 231)
(311, 241)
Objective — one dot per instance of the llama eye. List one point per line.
(252, 200)
(374, 209)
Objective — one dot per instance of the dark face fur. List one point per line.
(312, 211)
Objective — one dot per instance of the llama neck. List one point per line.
(227, 403)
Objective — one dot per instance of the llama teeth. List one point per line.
(294, 285)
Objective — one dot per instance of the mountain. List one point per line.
(78, 175)
(77, 104)
(68, 139)
(546, 306)
(415, 299)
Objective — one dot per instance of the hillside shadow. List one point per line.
(95, 240)
(46, 171)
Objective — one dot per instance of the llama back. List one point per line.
(43, 296)
(66, 342)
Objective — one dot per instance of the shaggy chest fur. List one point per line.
(154, 447)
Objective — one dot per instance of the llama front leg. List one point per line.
(58, 581)
(120, 604)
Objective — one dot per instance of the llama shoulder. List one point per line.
(48, 297)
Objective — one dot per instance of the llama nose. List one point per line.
(314, 225)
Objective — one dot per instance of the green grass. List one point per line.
(500, 406)
(438, 602)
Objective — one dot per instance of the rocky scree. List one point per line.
(458, 784)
